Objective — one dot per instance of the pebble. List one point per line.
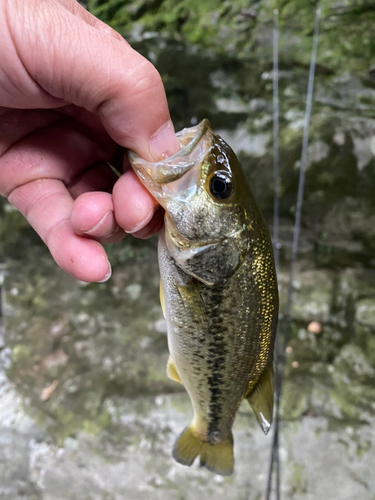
(145, 343)
(56, 359)
(314, 327)
(134, 291)
(161, 325)
(48, 391)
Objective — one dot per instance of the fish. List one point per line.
(218, 291)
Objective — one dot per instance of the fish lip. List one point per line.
(157, 174)
(202, 128)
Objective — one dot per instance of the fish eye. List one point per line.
(221, 185)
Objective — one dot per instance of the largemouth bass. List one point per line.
(218, 291)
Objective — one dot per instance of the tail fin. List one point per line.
(216, 457)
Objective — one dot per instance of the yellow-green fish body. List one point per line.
(219, 291)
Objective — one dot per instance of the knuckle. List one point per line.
(146, 80)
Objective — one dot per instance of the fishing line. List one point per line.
(275, 107)
(276, 206)
(284, 330)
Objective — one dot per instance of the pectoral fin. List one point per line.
(172, 371)
(193, 302)
(162, 299)
(261, 399)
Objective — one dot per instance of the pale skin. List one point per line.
(72, 91)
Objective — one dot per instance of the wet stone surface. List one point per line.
(87, 412)
(86, 409)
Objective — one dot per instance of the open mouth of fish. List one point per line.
(159, 177)
(169, 170)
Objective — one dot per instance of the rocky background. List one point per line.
(86, 410)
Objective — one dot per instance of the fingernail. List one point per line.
(94, 231)
(164, 142)
(156, 224)
(108, 275)
(145, 221)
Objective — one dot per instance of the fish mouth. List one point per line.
(170, 171)
(158, 177)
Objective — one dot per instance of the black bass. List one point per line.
(218, 291)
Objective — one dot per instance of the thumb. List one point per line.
(65, 58)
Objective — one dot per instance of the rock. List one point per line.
(353, 363)
(232, 105)
(353, 383)
(241, 140)
(316, 152)
(138, 465)
(48, 391)
(134, 291)
(312, 295)
(366, 311)
(161, 325)
(2, 339)
(15, 481)
(57, 359)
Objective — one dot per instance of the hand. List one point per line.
(72, 91)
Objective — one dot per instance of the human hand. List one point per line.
(72, 91)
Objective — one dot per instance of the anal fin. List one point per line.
(261, 399)
(172, 371)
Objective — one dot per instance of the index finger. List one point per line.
(74, 62)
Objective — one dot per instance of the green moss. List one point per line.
(364, 448)
(20, 353)
(94, 426)
(299, 481)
